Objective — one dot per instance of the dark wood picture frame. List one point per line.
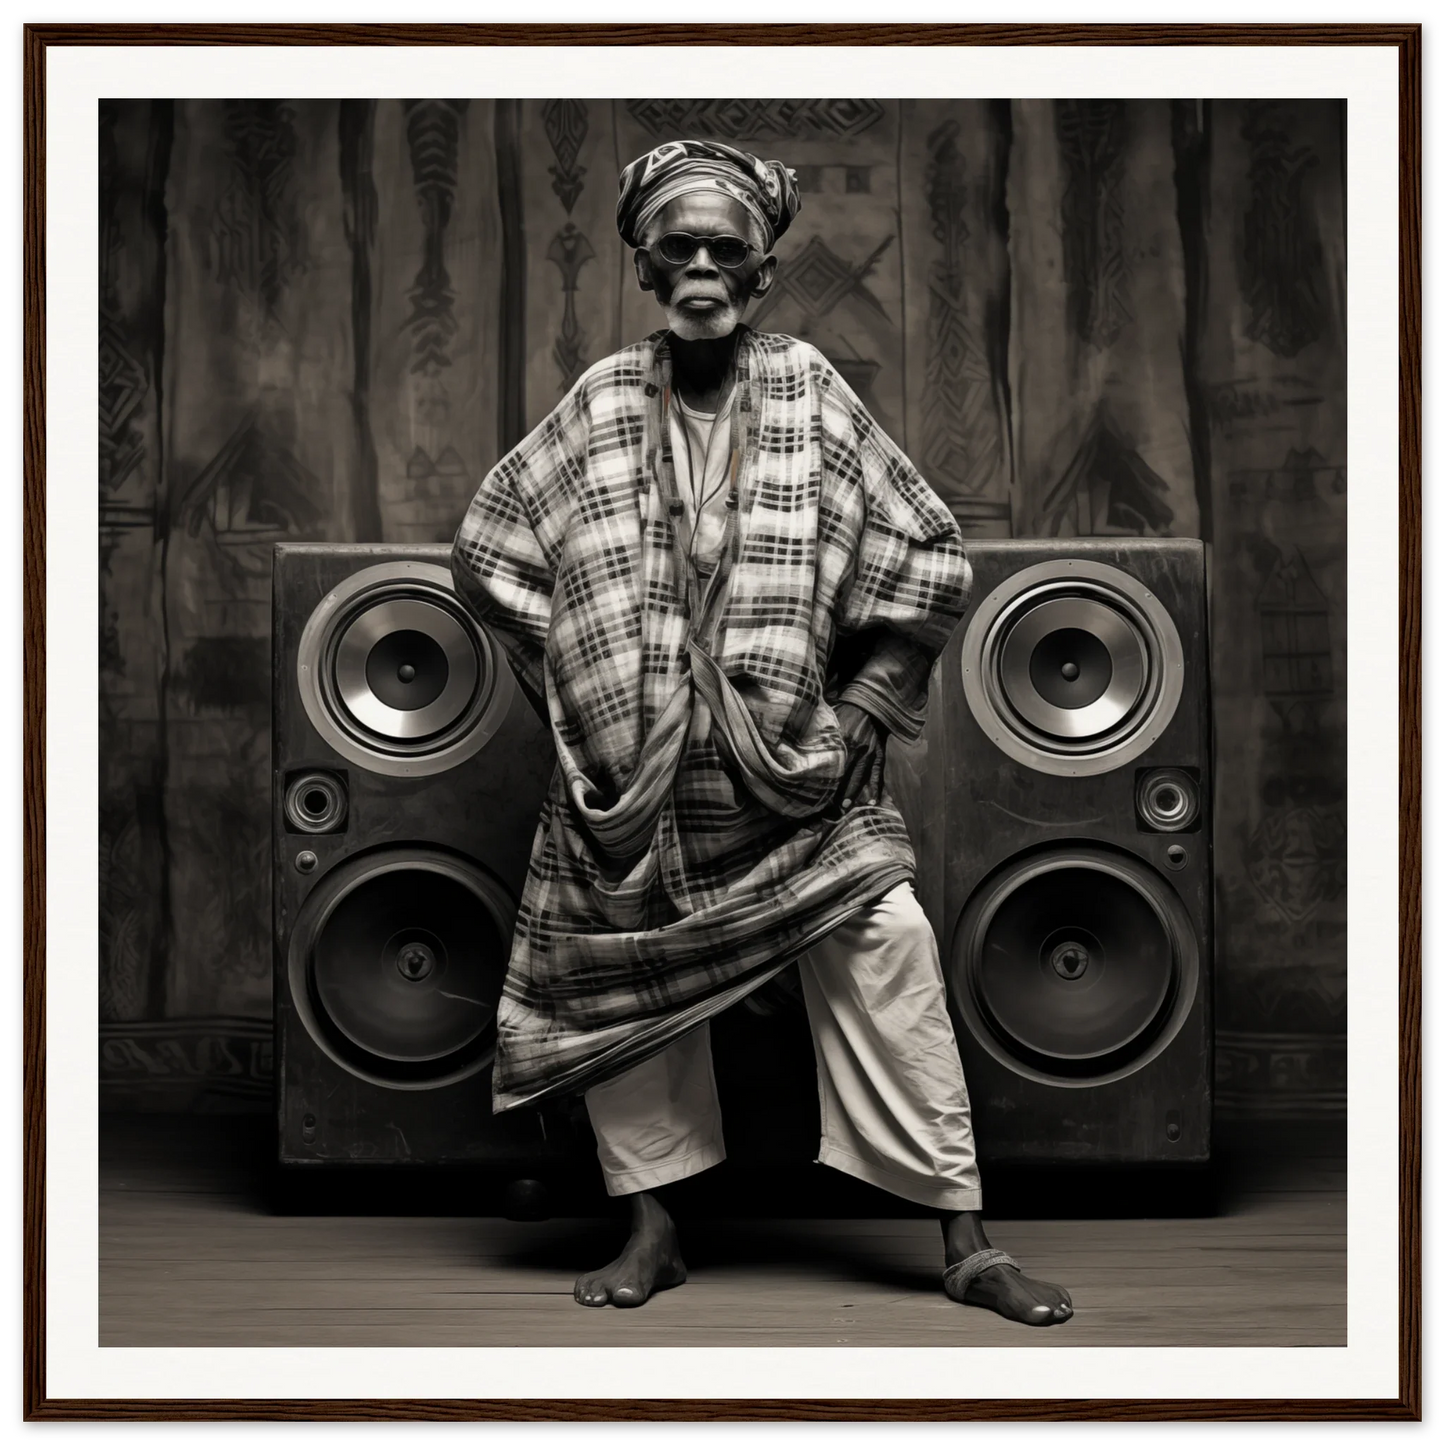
(1406, 40)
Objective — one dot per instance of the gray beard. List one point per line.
(691, 327)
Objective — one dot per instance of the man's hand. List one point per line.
(863, 772)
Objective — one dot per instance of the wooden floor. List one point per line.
(190, 1254)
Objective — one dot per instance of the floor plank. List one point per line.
(191, 1255)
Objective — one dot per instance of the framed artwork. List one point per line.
(1129, 297)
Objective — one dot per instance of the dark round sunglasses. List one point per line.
(677, 248)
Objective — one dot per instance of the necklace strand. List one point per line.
(699, 502)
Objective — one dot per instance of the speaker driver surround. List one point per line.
(1072, 667)
(397, 962)
(1074, 965)
(396, 675)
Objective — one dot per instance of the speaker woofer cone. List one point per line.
(401, 645)
(397, 676)
(1074, 965)
(1072, 667)
(1078, 646)
(397, 963)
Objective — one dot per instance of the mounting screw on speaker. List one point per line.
(1172, 1129)
(526, 1201)
(306, 861)
(1175, 856)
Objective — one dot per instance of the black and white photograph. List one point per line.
(723, 721)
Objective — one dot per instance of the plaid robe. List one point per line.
(692, 843)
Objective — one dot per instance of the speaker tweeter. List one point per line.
(1167, 800)
(315, 802)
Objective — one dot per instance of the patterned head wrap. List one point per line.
(767, 188)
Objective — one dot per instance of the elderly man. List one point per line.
(724, 587)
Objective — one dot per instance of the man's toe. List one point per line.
(590, 1292)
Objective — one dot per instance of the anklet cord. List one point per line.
(958, 1277)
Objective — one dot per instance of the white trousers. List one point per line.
(890, 1085)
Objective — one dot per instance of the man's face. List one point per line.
(703, 300)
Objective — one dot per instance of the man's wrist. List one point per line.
(857, 721)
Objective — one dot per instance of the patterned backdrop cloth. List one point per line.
(692, 842)
(324, 320)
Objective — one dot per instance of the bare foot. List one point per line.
(1003, 1288)
(650, 1261)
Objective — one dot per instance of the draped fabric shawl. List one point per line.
(692, 842)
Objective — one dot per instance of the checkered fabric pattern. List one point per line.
(692, 843)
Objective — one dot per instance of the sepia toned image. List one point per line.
(722, 722)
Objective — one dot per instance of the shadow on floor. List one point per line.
(234, 1155)
(716, 1245)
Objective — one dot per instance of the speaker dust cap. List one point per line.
(1072, 667)
(1074, 965)
(396, 674)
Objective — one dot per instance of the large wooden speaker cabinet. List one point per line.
(1066, 849)
(409, 771)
